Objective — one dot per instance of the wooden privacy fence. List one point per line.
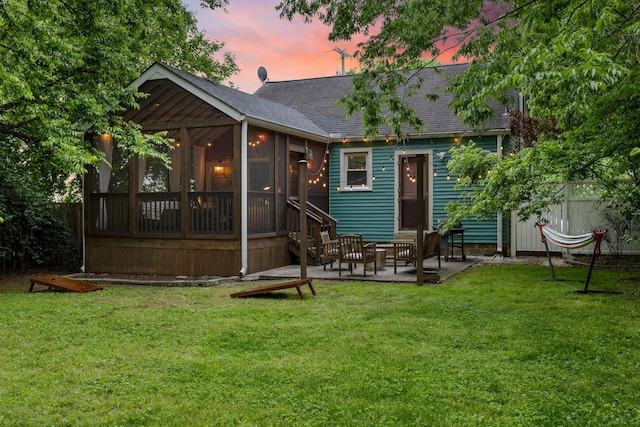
(581, 213)
(72, 214)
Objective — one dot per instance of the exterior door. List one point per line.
(408, 192)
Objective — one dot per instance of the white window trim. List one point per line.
(343, 169)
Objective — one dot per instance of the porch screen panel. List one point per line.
(158, 201)
(319, 176)
(109, 204)
(281, 189)
(211, 180)
(261, 194)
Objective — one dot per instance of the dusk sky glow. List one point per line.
(253, 32)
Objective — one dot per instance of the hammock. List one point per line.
(568, 241)
(571, 242)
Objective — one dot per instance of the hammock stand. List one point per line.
(572, 242)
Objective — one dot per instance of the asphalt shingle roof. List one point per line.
(317, 98)
(253, 106)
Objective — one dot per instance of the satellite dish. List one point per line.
(262, 74)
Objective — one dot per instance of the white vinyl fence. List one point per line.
(582, 212)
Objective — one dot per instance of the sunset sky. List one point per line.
(254, 33)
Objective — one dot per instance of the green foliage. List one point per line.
(619, 231)
(576, 63)
(32, 231)
(63, 79)
(492, 185)
(65, 67)
(496, 346)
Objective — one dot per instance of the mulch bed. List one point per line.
(19, 282)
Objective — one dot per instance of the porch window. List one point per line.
(319, 176)
(281, 182)
(355, 169)
(261, 194)
(158, 190)
(109, 205)
(211, 180)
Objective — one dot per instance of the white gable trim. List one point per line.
(278, 127)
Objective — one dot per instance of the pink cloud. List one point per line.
(253, 32)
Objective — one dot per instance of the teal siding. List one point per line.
(444, 192)
(371, 213)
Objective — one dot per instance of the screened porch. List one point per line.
(200, 194)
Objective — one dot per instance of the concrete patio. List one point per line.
(405, 274)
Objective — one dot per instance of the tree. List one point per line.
(64, 73)
(576, 64)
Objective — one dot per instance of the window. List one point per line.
(355, 169)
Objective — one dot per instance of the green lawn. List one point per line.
(495, 346)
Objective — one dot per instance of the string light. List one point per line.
(317, 177)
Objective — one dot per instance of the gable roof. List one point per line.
(235, 103)
(317, 98)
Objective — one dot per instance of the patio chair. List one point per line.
(352, 250)
(407, 251)
(330, 250)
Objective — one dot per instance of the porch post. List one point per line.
(302, 194)
(420, 223)
(244, 186)
(499, 230)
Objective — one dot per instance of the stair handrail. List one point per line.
(317, 222)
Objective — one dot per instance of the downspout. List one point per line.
(244, 164)
(84, 243)
(499, 231)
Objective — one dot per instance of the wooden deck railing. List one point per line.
(211, 212)
(261, 212)
(158, 212)
(207, 212)
(109, 212)
(161, 213)
(317, 222)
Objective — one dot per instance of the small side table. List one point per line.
(452, 244)
(381, 258)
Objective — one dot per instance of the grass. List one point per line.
(497, 345)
